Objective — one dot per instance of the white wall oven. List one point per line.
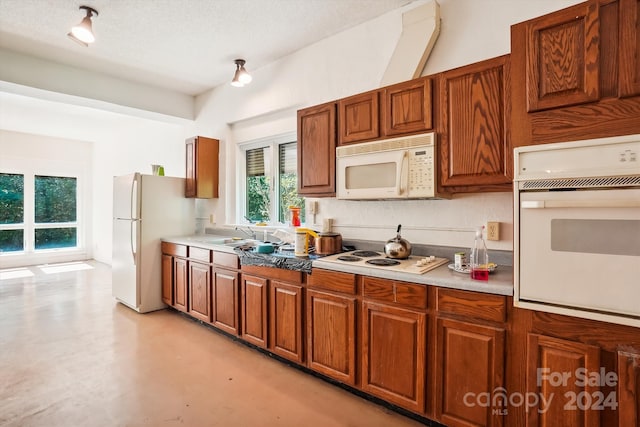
(577, 228)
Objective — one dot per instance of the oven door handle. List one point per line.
(613, 203)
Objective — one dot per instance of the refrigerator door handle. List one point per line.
(133, 239)
(134, 199)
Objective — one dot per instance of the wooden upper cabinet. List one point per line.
(475, 146)
(202, 156)
(629, 47)
(359, 118)
(563, 52)
(317, 151)
(407, 107)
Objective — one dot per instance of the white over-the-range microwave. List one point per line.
(397, 168)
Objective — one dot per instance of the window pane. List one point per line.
(255, 162)
(288, 182)
(11, 240)
(11, 199)
(50, 238)
(55, 199)
(258, 203)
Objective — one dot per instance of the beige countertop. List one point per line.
(500, 281)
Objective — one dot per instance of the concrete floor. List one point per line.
(71, 356)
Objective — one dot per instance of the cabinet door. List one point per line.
(317, 151)
(358, 118)
(470, 362)
(254, 310)
(190, 181)
(407, 107)
(629, 47)
(331, 335)
(167, 279)
(225, 310)
(200, 291)
(180, 276)
(552, 368)
(394, 355)
(628, 389)
(285, 320)
(202, 157)
(563, 58)
(475, 147)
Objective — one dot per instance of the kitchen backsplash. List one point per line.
(428, 222)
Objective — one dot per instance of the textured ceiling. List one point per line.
(183, 45)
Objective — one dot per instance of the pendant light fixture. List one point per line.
(83, 32)
(241, 77)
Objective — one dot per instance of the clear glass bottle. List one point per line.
(479, 258)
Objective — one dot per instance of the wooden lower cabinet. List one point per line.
(551, 375)
(628, 390)
(167, 279)
(470, 362)
(331, 335)
(285, 320)
(180, 284)
(200, 291)
(225, 300)
(253, 303)
(394, 344)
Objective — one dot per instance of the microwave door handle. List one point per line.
(613, 203)
(400, 188)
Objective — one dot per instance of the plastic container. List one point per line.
(479, 258)
(295, 216)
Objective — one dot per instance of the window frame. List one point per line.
(29, 170)
(272, 170)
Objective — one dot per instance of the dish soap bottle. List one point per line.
(479, 259)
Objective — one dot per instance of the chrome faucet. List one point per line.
(248, 232)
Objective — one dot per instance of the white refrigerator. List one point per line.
(145, 209)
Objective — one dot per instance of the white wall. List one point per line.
(126, 140)
(353, 62)
(29, 154)
(121, 144)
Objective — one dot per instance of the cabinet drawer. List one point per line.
(291, 276)
(199, 254)
(472, 304)
(174, 249)
(226, 260)
(333, 281)
(408, 294)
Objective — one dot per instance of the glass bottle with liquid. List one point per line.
(479, 258)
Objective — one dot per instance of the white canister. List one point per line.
(301, 247)
(459, 260)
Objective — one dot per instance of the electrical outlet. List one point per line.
(493, 230)
(212, 219)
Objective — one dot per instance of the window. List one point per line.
(48, 219)
(270, 181)
(55, 212)
(11, 212)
